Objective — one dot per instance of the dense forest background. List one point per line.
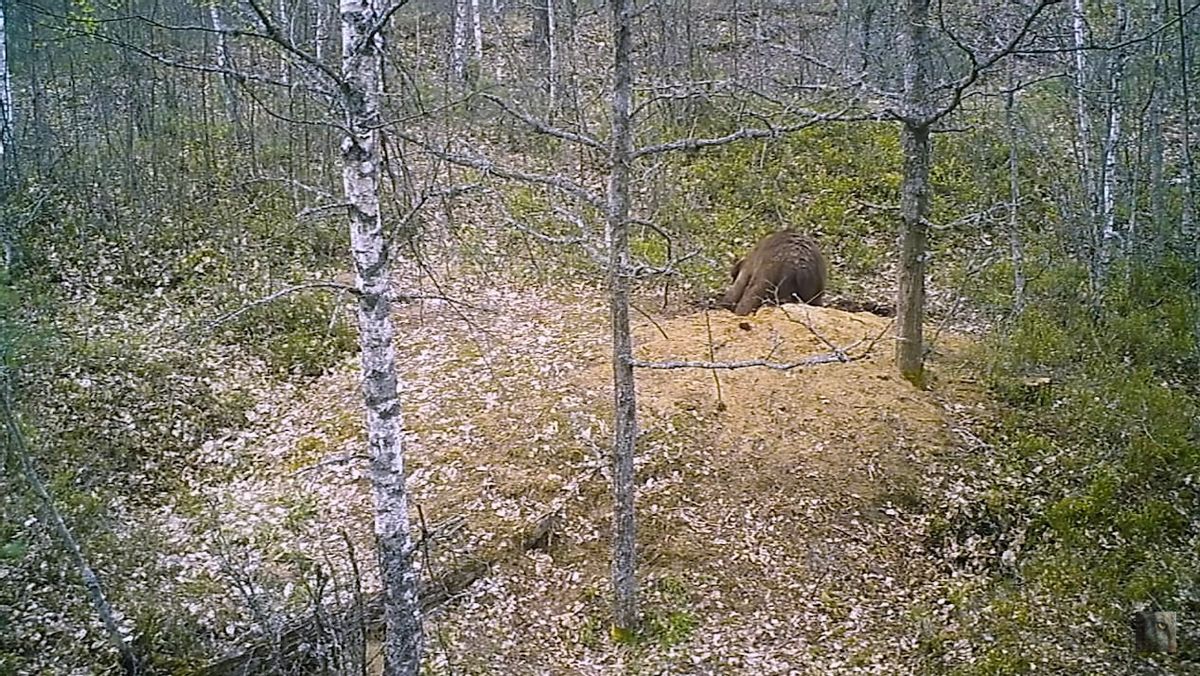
(178, 293)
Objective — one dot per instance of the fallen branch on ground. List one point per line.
(253, 658)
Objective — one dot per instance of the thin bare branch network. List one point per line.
(746, 133)
(978, 67)
(275, 35)
(325, 285)
(970, 219)
(490, 168)
(1122, 44)
(836, 355)
(381, 22)
(541, 126)
(181, 65)
(311, 189)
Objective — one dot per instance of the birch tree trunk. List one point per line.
(1187, 168)
(914, 195)
(458, 47)
(8, 151)
(552, 50)
(1188, 215)
(321, 30)
(1014, 196)
(361, 92)
(1154, 131)
(1084, 138)
(624, 559)
(1112, 142)
(229, 88)
(477, 36)
(7, 146)
(284, 21)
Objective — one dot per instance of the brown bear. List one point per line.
(784, 267)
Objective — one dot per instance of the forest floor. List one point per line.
(783, 515)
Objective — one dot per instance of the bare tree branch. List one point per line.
(274, 35)
(489, 167)
(542, 127)
(734, 365)
(380, 24)
(334, 286)
(745, 133)
(978, 67)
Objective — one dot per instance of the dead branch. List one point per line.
(490, 168)
(369, 612)
(979, 67)
(742, 134)
(745, 364)
(313, 212)
(807, 322)
(335, 286)
(972, 218)
(340, 459)
(91, 582)
(651, 320)
(542, 127)
(322, 194)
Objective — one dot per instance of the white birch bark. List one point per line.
(1187, 168)
(1154, 132)
(476, 35)
(1084, 138)
(284, 22)
(458, 47)
(624, 558)
(552, 47)
(7, 141)
(1107, 234)
(362, 84)
(1188, 215)
(6, 96)
(321, 30)
(229, 87)
(1016, 251)
(914, 194)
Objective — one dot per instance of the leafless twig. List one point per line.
(335, 286)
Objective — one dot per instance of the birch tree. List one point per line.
(476, 35)
(7, 146)
(361, 87)
(1107, 234)
(224, 61)
(1016, 252)
(1154, 140)
(458, 45)
(8, 161)
(354, 95)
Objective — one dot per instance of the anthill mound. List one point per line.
(840, 423)
(780, 516)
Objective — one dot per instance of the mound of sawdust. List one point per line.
(841, 420)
